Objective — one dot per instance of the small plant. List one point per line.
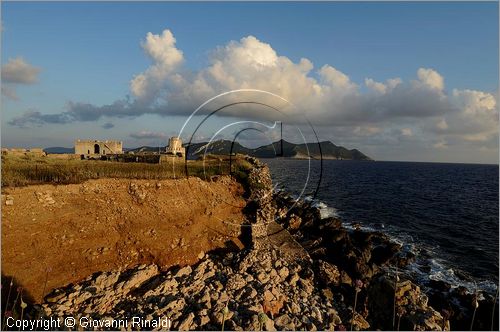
(446, 315)
(396, 279)
(493, 312)
(262, 320)
(47, 271)
(7, 302)
(19, 291)
(225, 311)
(23, 306)
(358, 285)
(475, 304)
(400, 313)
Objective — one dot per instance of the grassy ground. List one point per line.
(27, 170)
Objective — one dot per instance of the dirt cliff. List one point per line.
(56, 235)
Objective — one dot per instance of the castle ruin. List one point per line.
(96, 148)
(175, 147)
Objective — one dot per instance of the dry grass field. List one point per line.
(29, 170)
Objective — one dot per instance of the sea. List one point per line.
(447, 214)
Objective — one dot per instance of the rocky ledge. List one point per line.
(346, 280)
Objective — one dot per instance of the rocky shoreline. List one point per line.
(345, 280)
(372, 257)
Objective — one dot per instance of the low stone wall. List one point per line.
(63, 156)
(23, 152)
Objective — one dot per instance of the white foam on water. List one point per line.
(325, 211)
(439, 271)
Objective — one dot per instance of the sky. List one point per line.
(398, 81)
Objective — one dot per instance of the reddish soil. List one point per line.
(56, 235)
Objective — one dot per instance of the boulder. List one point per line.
(284, 322)
(383, 253)
(186, 323)
(359, 323)
(294, 222)
(413, 313)
(137, 278)
(328, 273)
(186, 270)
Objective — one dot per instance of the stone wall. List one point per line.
(96, 147)
(175, 147)
(23, 152)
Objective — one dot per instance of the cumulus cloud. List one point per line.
(477, 120)
(166, 58)
(19, 71)
(15, 72)
(325, 94)
(147, 135)
(380, 87)
(376, 86)
(431, 78)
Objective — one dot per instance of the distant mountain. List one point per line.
(145, 149)
(59, 150)
(196, 150)
(290, 150)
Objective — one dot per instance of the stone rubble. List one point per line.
(195, 297)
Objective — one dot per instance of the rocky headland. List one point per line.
(297, 271)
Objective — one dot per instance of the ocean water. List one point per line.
(446, 213)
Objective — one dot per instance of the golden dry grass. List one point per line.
(28, 170)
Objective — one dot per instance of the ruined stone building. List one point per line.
(24, 152)
(93, 148)
(175, 147)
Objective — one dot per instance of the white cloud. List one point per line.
(393, 82)
(19, 71)
(380, 87)
(366, 130)
(431, 78)
(15, 72)
(336, 79)
(166, 58)
(327, 96)
(475, 102)
(144, 134)
(375, 86)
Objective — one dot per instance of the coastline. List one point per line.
(265, 287)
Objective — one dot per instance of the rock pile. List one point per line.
(260, 208)
(402, 306)
(250, 284)
(45, 198)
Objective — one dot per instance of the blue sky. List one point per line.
(89, 53)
